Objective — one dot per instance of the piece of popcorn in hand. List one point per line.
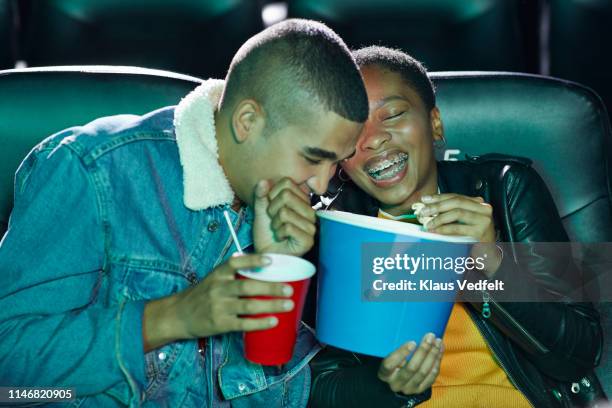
(424, 220)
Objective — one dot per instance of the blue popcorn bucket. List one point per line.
(349, 315)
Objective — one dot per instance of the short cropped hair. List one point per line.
(291, 68)
(412, 71)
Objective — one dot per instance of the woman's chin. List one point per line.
(392, 197)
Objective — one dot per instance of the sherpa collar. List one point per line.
(204, 181)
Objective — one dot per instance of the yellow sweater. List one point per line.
(469, 376)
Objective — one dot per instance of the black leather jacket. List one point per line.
(548, 350)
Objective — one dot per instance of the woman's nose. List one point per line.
(374, 138)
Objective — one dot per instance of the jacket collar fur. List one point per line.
(205, 184)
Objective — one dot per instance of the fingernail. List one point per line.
(273, 321)
(287, 290)
(266, 260)
(411, 345)
(288, 305)
(429, 339)
(426, 198)
(438, 342)
(260, 188)
(425, 211)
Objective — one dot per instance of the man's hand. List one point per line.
(284, 220)
(457, 214)
(212, 307)
(417, 374)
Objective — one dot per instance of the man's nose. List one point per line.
(319, 181)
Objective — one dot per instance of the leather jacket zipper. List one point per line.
(486, 310)
(482, 327)
(508, 318)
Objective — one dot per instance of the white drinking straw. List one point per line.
(231, 228)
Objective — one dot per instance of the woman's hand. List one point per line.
(417, 374)
(456, 214)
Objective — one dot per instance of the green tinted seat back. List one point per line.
(36, 103)
(7, 39)
(444, 34)
(579, 40)
(194, 37)
(560, 125)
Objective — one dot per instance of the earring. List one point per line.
(343, 176)
(439, 144)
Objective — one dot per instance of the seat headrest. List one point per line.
(37, 102)
(560, 125)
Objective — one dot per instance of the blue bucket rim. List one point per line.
(389, 226)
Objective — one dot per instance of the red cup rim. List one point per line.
(307, 270)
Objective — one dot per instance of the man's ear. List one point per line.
(247, 120)
(437, 128)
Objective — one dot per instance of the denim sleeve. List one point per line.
(54, 329)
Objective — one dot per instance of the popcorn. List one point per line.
(424, 220)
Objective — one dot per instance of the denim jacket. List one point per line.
(108, 216)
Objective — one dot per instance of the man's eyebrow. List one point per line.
(350, 155)
(391, 98)
(321, 153)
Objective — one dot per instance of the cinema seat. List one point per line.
(189, 36)
(7, 35)
(560, 125)
(579, 43)
(37, 102)
(444, 34)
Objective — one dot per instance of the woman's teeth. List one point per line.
(389, 168)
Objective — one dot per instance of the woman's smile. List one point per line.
(387, 168)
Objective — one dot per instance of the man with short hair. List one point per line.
(116, 276)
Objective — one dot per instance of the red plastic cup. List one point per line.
(275, 346)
